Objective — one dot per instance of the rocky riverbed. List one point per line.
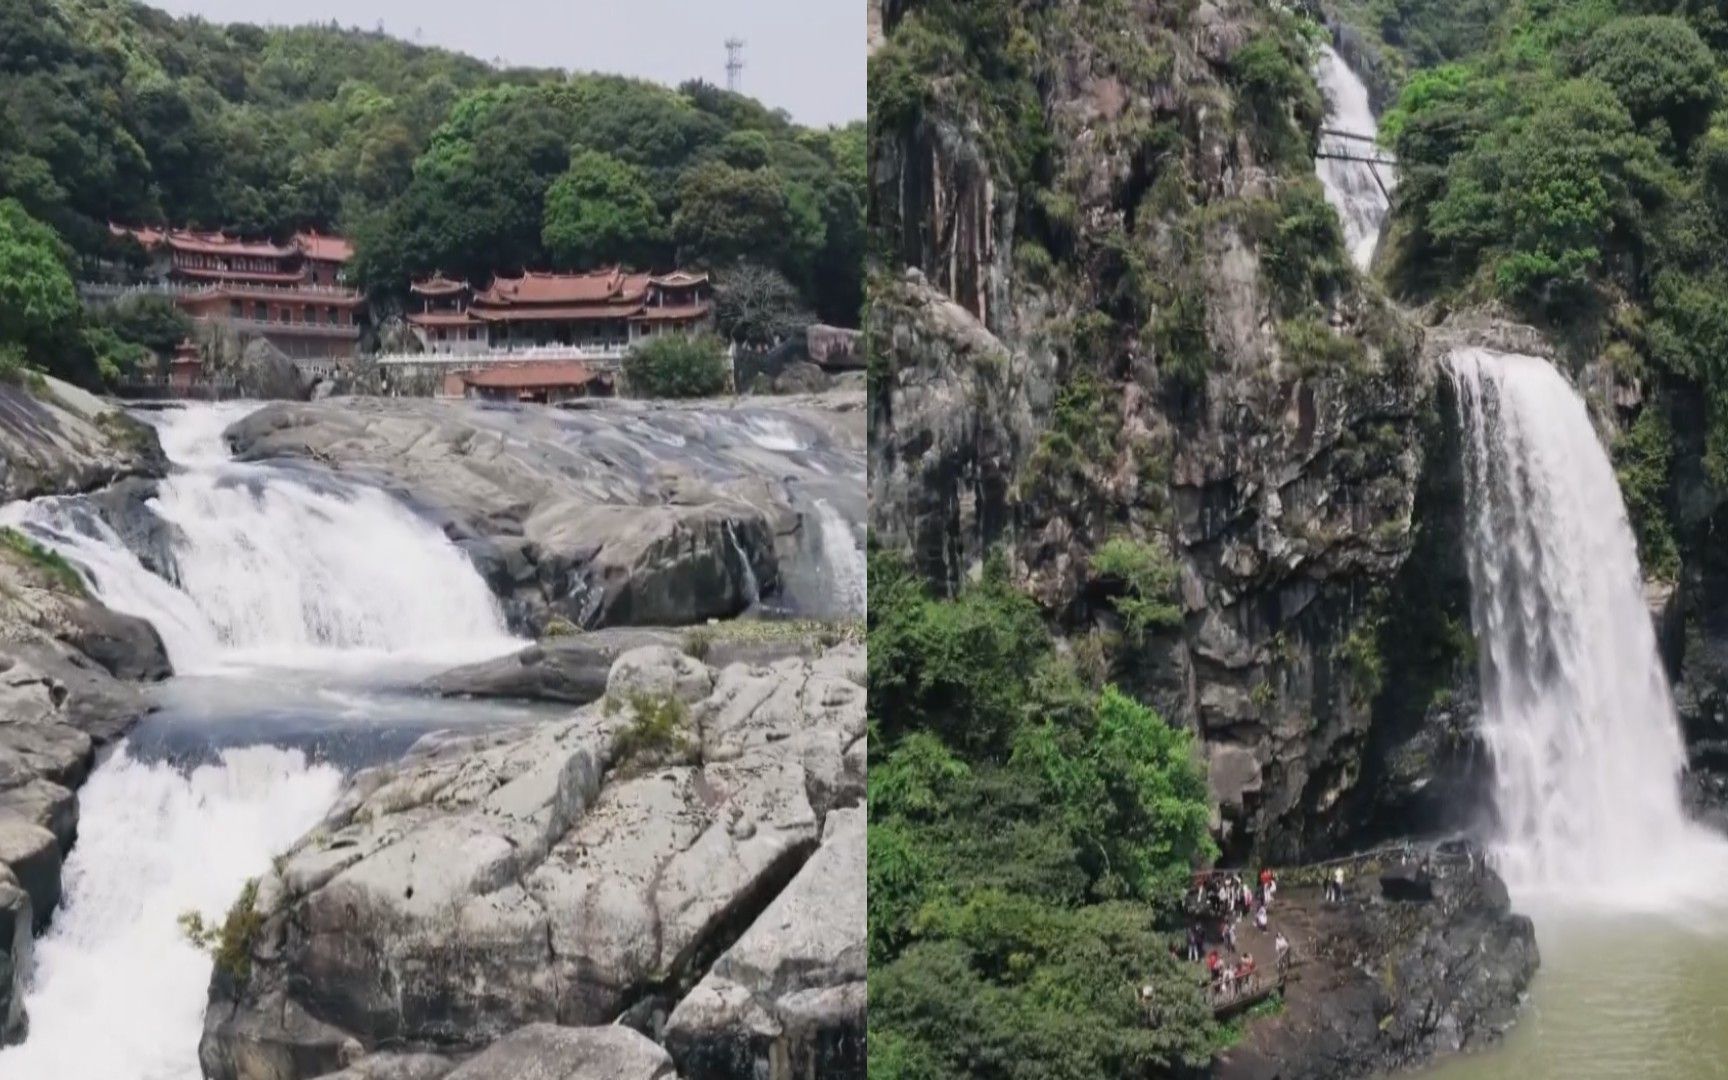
(684, 856)
(621, 514)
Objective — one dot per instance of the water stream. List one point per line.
(1591, 836)
(1627, 895)
(1356, 190)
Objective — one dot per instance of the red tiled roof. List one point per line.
(669, 313)
(524, 376)
(598, 286)
(437, 285)
(565, 313)
(222, 244)
(680, 279)
(442, 318)
(324, 248)
(146, 236)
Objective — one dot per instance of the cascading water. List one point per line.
(278, 567)
(1353, 187)
(274, 568)
(117, 991)
(1577, 712)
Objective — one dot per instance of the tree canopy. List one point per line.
(428, 158)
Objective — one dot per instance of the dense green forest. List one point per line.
(1027, 835)
(428, 159)
(1570, 159)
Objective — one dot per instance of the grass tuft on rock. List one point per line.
(60, 573)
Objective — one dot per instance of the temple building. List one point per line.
(291, 294)
(599, 314)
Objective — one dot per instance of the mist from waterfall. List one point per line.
(1352, 186)
(1577, 712)
(274, 566)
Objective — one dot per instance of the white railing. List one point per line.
(280, 326)
(597, 353)
(106, 290)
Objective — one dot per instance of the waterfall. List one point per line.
(1351, 186)
(117, 990)
(843, 555)
(277, 566)
(1577, 713)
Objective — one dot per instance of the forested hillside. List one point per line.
(1141, 475)
(429, 159)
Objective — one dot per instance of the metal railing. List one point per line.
(598, 353)
(103, 290)
(283, 327)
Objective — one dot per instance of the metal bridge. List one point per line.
(1372, 155)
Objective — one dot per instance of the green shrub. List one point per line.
(1314, 348)
(1148, 576)
(677, 366)
(656, 727)
(231, 943)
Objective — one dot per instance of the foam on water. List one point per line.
(117, 990)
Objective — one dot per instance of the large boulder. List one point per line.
(32, 854)
(574, 872)
(618, 514)
(16, 919)
(549, 1052)
(56, 439)
(788, 999)
(575, 668)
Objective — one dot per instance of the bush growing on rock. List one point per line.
(1013, 810)
(675, 366)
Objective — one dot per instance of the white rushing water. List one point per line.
(1577, 712)
(277, 567)
(843, 555)
(1352, 186)
(280, 575)
(117, 990)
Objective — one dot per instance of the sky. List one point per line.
(804, 56)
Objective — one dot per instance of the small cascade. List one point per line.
(117, 991)
(1577, 712)
(843, 555)
(276, 566)
(1355, 189)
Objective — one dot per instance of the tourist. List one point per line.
(1260, 918)
(1265, 885)
(1335, 886)
(1194, 936)
(1230, 933)
(1281, 945)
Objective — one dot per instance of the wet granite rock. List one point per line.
(620, 514)
(575, 872)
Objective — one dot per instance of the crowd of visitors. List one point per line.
(1216, 907)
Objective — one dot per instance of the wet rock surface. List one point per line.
(598, 869)
(68, 666)
(621, 513)
(59, 440)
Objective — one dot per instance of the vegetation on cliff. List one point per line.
(1028, 836)
(1570, 158)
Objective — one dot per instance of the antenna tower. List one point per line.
(735, 64)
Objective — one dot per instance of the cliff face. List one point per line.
(1132, 322)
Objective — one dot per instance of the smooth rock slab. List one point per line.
(549, 1052)
(15, 945)
(788, 999)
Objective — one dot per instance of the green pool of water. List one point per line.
(1617, 997)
